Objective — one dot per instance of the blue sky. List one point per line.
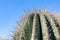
(12, 11)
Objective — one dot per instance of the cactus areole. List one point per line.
(39, 25)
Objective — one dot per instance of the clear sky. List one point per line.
(12, 11)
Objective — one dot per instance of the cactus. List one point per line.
(39, 25)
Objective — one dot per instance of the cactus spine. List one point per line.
(38, 26)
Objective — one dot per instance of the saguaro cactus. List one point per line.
(39, 25)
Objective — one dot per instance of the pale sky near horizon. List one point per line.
(12, 11)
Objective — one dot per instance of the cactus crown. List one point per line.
(39, 25)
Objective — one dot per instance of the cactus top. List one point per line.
(40, 25)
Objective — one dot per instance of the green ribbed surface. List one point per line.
(38, 26)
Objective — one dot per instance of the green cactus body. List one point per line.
(38, 26)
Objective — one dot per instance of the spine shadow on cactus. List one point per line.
(40, 37)
(50, 30)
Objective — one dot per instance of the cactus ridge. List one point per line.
(50, 30)
(57, 25)
(39, 25)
